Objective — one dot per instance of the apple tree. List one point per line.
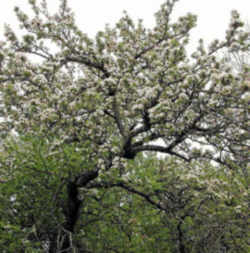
(82, 109)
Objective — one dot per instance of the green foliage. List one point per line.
(202, 207)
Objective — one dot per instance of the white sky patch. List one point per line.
(91, 16)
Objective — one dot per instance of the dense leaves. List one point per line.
(164, 206)
(81, 118)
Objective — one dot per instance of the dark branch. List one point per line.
(129, 189)
(145, 127)
(86, 177)
(87, 62)
(118, 117)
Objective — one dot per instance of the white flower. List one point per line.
(138, 107)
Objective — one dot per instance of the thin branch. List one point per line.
(143, 195)
(87, 62)
(118, 117)
(145, 127)
(129, 189)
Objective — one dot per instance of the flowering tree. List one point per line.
(239, 60)
(98, 103)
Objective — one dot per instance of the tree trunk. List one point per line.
(71, 213)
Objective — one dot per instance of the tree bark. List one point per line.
(71, 212)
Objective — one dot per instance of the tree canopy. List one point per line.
(85, 119)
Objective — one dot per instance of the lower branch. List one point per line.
(129, 189)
